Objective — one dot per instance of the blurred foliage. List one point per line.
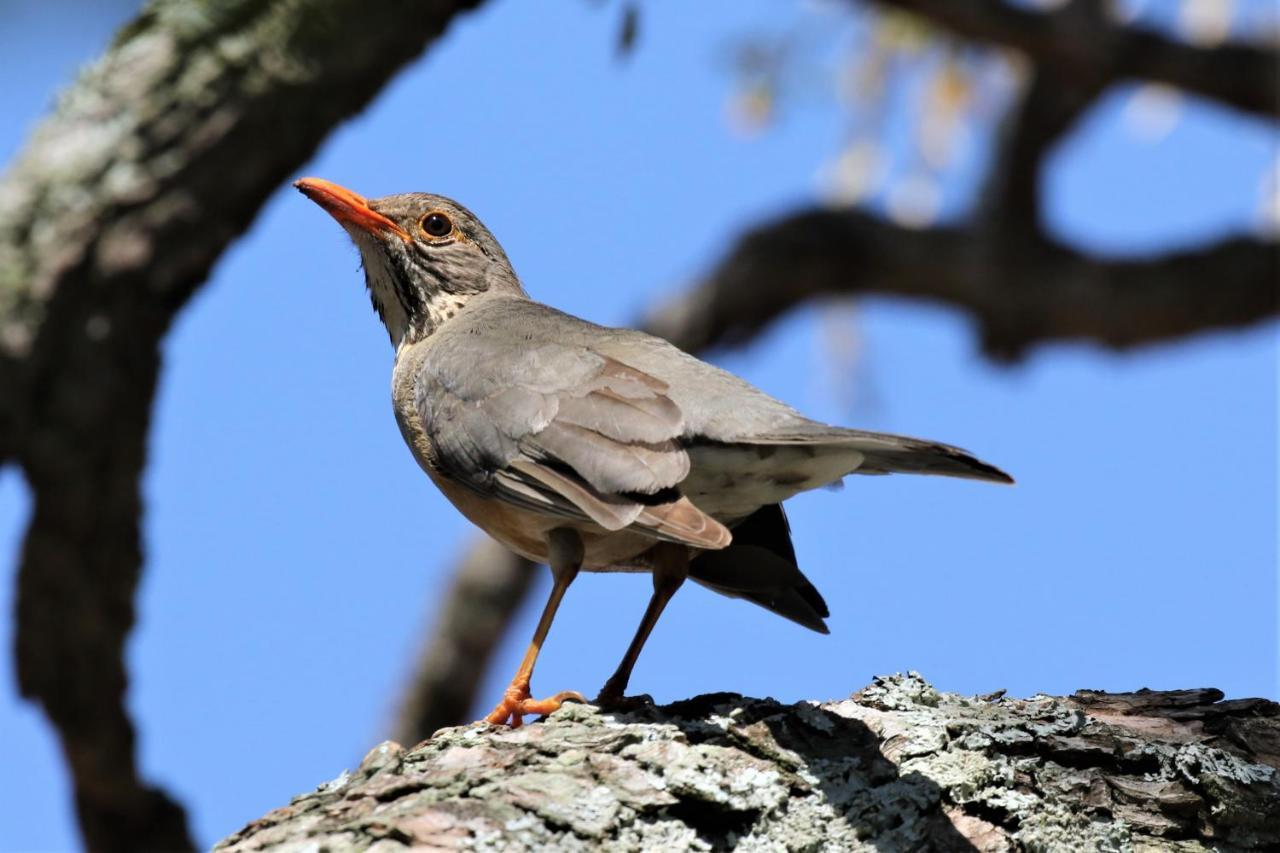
(915, 100)
(919, 110)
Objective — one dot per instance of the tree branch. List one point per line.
(79, 567)
(898, 766)
(110, 219)
(1243, 76)
(1020, 293)
(1048, 107)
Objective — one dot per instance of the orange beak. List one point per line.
(348, 207)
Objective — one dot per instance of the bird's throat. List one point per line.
(441, 307)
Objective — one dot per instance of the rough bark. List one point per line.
(898, 766)
(152, 162)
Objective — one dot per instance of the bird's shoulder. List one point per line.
(501, 341)
(490, 379)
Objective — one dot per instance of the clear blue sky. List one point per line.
(296, 552)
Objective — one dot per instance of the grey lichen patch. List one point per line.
(899, 693)
(900, 766)
(384, 755)
(966, 775)
(1053, 827)
(1198, 762)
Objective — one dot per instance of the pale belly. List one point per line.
(525, 532)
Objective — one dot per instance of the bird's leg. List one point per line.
(671, 567)
(565, 560)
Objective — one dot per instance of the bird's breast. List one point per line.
(404, 402)
(521, 530)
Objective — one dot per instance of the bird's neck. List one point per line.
(413, 313)
(440, 308)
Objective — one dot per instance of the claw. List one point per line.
(610, 701)
(516, 704)
(613, 696)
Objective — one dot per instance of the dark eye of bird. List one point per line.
(436, 225)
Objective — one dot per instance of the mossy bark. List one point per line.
(897, 766)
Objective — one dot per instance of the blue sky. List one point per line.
(296, 553)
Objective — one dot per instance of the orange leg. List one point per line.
(671, 567)
(566, 560)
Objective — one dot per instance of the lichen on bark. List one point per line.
(897, 766)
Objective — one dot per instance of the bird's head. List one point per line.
(424, 255)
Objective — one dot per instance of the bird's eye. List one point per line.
(436, 225)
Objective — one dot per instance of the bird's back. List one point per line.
(746, 449)
(717, 405)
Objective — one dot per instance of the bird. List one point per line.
(591, 448)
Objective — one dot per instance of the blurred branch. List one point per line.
(152, 162)
(1021, 286)
(1011, 199)
(489, 586)
(1240, 75)
(1020, 293)
(1048, 108)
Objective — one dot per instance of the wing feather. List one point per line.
(611, 514)
(611, 465)
(571, 433)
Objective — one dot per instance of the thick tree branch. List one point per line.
(898, 766)
(80, 565)
(1239, 75)
(152, 162)
(1020, 293)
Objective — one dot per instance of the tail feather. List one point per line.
(913, 456)
(884, 453)
(760, 566)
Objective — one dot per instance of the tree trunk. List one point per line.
(897, 766)
(151, 163)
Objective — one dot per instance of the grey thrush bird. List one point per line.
(586, 447)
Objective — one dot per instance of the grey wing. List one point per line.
(743, 449)
(749, 450)
(564, 431)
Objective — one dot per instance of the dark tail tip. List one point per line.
(992, 473)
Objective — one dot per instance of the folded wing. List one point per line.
(568, 432)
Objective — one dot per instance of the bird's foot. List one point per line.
(614, 700)
(517, 703)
